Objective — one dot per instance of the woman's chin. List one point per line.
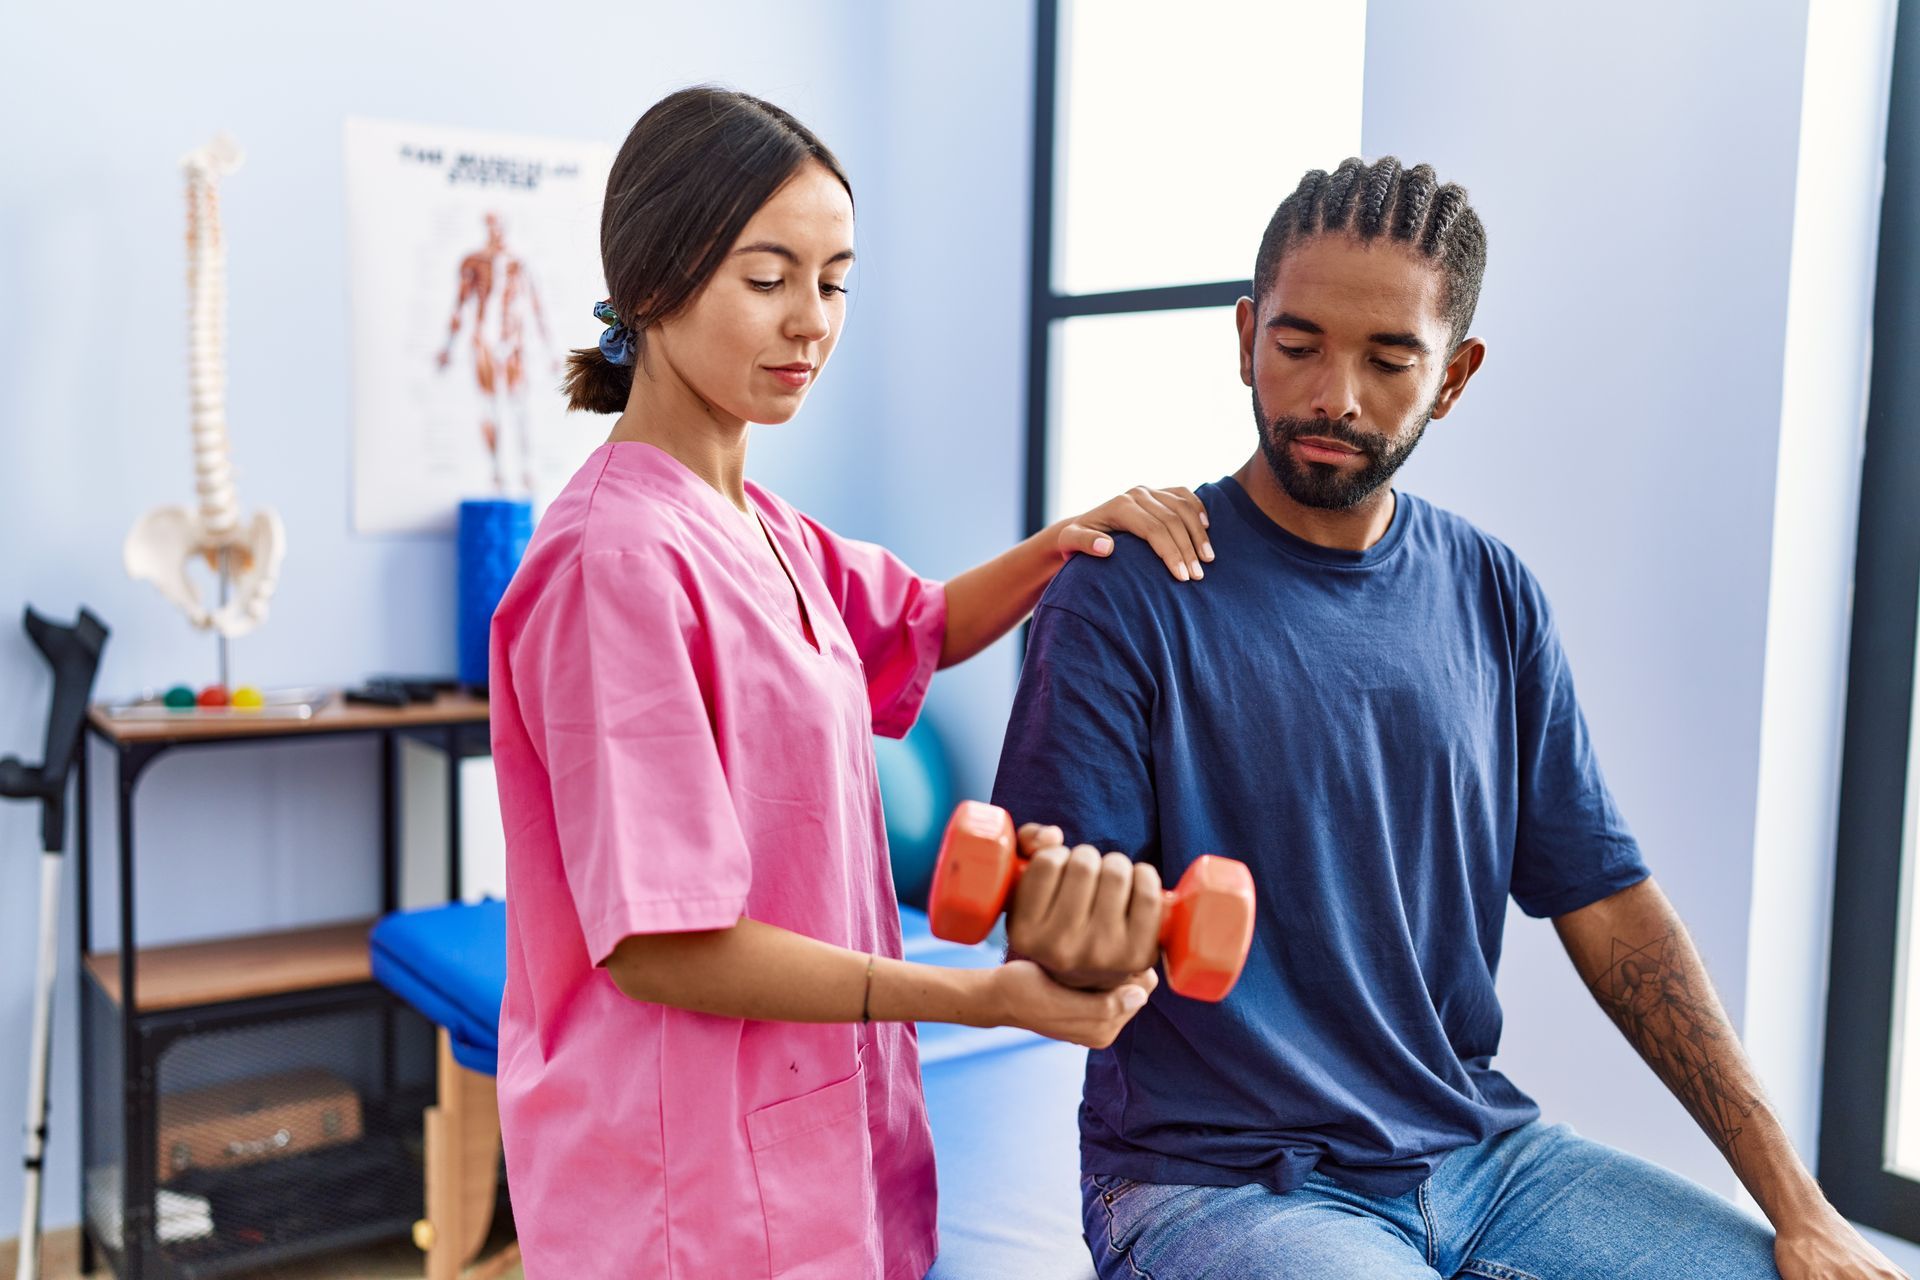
(772, 415)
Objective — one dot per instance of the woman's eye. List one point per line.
(828, 290)
(764, 286)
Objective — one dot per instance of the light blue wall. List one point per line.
(949, 226)
(101, 102)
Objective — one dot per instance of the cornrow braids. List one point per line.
(1417, 186)
(1341, 189)
(1370, 215)
(1449, 203)
(1307, 208)
(1367, 201)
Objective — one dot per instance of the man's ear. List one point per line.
(1466, 361)
(1243, 317)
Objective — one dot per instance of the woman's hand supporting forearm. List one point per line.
(760, 971)
(986, 602)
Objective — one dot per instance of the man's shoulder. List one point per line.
(1450, 534)
(1134, 574)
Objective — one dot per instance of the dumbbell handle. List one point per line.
(1168, 927)
(1206, 928)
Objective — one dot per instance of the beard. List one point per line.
(1325, 485)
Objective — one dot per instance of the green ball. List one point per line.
(181, 698)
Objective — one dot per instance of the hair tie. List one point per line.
(617, 342)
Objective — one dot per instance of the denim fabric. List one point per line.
(1536, 1203)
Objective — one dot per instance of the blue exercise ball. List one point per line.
(917, 793)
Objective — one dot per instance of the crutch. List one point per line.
(74, 654)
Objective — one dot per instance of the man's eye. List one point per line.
(1388, 366)
(1294, 353)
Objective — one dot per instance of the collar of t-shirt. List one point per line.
(1294, 545)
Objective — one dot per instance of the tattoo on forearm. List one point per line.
(1649, 993)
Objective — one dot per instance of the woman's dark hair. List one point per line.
(690, 176)
(1368, 201)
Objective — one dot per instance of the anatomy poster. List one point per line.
(474, 265)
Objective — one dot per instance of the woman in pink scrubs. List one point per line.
(707, 1054)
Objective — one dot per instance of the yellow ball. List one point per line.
(248, 698)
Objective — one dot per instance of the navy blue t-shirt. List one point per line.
(1389, 739)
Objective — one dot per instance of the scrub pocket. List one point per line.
(813, 1159)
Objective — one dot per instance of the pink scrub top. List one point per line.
(677, 748)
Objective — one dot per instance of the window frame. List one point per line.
(1864, 952)
(1046, 305)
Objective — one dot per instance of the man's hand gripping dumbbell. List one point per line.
(1090, 921)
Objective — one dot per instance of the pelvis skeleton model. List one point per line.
(166, 540)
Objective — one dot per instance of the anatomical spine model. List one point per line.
(165, 540)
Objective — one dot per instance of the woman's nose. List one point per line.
(809, 320)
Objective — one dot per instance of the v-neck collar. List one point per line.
(750, 532)
(809, 632)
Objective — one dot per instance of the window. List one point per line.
(1160, 152)
(1870, 1114)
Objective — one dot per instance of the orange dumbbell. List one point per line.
(1204, 933)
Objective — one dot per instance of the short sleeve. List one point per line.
(611, 676)
(1077, 752)
(1572, 846)
(898, 621)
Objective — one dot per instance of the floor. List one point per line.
(396, 1260)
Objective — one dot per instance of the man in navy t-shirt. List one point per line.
(1364, 698)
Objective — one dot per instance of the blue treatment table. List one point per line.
(1002, 1104)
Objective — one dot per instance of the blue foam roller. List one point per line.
(493, 537)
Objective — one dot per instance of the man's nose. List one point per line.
(1335, 396)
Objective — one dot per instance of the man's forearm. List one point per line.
(1634, 954)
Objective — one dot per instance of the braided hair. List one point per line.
(1410, 207)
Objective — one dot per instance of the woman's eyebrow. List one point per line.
(780, 250)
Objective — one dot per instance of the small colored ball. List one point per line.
(248, 698)
(214, 695)
(180, 698)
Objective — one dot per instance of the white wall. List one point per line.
(1682, 204)
(1638, 169)
(1637, 186)
(1816, 523)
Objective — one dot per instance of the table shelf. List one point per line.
(212, 1013)
(240, 968)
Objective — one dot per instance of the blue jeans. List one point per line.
(1538, 1203)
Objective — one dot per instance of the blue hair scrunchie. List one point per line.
(617, 342)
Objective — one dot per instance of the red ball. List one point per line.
(214, 695)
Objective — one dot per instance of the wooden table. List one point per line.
(136, 1001)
